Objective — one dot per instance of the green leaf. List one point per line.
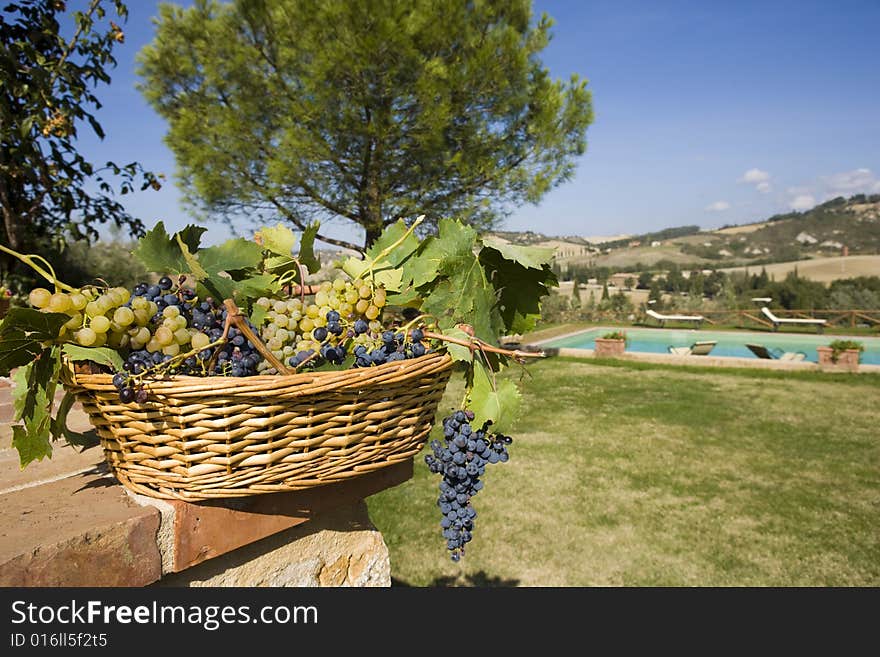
(230, 256)
(388, 237)
(464, 296)
(20, 389)
(355, 267)
(457, 351)
(451, 248)
(307, 248)
(534, 257)
(330, 367)
(258, 314)
(99, 355)
(32, 443)
(498, 403)
(278, 239)
(255, 286)
(33, 398)
(193, 265)
(160, 252)
(520, 289)
(22, 334)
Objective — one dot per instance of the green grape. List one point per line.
(200, 340)
(78, 300)
(322, 298)
(59, 303)
(93, 309)
(153, 345)
(361, 306)
(171, 312)
(100, 324)
(85, 337)
(123, 316)
(280, 306)
(171, 350)
(182, 336)
(74, 322)
(100, 339)
(142, 316)
(164, 336)
(139, 303)
(371, 312)
(39, 297)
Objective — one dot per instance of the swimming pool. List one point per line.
(729, 343)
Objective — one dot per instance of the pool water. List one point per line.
(729, 343)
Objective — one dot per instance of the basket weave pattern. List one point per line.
(217, 437)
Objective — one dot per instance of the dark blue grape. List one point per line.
(165, 283)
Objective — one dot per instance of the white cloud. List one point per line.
(718, 206)
(755, 176)
(760, 179)
(802, 202)
(851, 182)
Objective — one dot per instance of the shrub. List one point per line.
(839, 346)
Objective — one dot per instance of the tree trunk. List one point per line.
(373, 232)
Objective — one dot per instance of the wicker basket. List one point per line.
(217, 437)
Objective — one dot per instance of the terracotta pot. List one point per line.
(609, 348)
(847, 360)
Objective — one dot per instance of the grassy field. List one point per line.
(823, 270)
(627, 474)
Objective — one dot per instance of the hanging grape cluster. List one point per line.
(461, 458)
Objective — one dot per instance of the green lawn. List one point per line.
(634, 475)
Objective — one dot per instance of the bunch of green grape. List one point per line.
(292, 326)
(98, 316)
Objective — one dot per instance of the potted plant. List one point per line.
(840, 355)
(610, 345)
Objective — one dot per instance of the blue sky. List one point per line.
(707, 113)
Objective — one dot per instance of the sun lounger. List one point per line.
(674, 318)
(701, 348)
(797, 321)
(775, 353)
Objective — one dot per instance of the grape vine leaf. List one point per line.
(464, 299)
(100, 355)
(386, 240)
(22, 334)
(520, 288)
(230, 256)
(59, 425)
(441, 254)
(33, 397)
(457, 351)
(160, 252)
(533, 257)
(307, 248)
(496, 400)
(277, 239)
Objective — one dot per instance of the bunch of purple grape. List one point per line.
(461, 459)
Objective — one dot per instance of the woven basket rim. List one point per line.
(230, 384)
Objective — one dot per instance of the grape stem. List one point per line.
(241, 324)
(29, 261)
(475, 343)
